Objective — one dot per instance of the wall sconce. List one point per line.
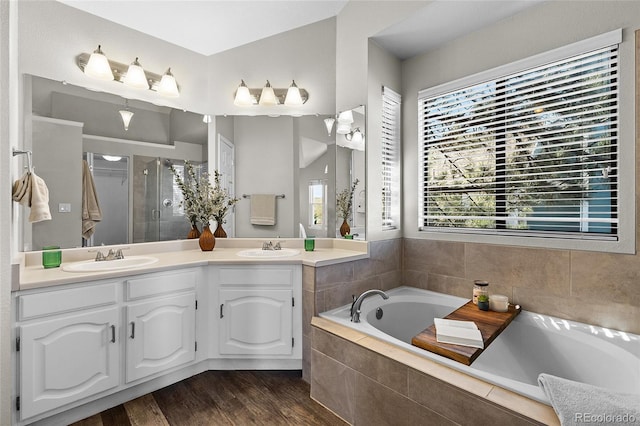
(98, 66)
(345, 118)
(126, 115)
(270, 96)
(206, 118)
(355, 140)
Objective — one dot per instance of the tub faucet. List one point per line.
(357, 302)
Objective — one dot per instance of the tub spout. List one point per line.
(357, 302)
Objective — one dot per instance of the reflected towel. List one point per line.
(263, 209)
(572, 401)
(91, 212)
(31, 190)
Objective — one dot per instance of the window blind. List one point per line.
(535, 151)
(390, 145)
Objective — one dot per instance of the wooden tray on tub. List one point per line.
(489, 323)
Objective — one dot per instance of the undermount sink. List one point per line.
(109, 265)
(285, 252)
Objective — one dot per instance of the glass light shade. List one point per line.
(343, 128)
(98, 66)
(168, 86)
(112, 157)
(293, 97)
(126, 117)
(328, 122)
(243, 95)
(206, 119)
(268, 96)
(345, 117)
(135, 76)
(356, 137)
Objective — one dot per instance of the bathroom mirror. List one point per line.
(69, 119)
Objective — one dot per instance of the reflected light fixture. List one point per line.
(168, 86)
(328, 122)
(355, 139)
(98, 66)
(268, 96)
(135, 76)
(243, 95)
(126, 115)
(112, 157)
(293, 97)
(206, 119)
(345, 118)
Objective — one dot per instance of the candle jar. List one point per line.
(480, 287)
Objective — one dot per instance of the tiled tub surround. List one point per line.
(367, 381)
(589, 287)
(532, 344)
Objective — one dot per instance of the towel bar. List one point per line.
(249, 196)
(29, 157)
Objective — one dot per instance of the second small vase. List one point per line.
(220, 232)
(344, 228)
(207, 241)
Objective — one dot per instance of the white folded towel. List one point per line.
(263, 209)
(91, 212)
(31, 190)
(577, 403)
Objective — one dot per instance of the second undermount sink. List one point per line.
(109, 265)
(259, 253)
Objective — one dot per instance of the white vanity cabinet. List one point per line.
(68, 346)
(259, 310)
(161, 328)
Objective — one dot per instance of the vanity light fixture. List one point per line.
(112, 157)
(135, 76)
(270, 96)
(98, 66)
(126, 115)
(345, 118)
(206, 119)
(355, 139)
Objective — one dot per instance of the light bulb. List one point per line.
(98, 66)
(135, 76)
(168, 86)
(268, 96)
(293, 97)
(243, 95)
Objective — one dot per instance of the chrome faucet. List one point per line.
(111, 255)
(357, 302)
(267, 245)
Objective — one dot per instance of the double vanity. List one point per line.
(90, 334)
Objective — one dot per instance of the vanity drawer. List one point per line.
(161, 283)
(68, 300)
(257, 276)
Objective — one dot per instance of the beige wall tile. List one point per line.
(378, 405)
(308, 278)
(542, 269)
(389, 280)
(452, 285)
(418, 279)
(386, 255)
(606, 277)
(308, 307)
(342, 294)
(306, 359)
(327, 276)
(422, 416)
(333, 385)
(438, 257)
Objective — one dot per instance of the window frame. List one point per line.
(625, 242)
(394, 187)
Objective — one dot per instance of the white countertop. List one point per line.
(182, 254)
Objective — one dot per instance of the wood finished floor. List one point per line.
(223, 398)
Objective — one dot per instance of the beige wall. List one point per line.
(592, 287)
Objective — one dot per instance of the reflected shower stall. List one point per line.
(139, 199)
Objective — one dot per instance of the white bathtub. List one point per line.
(531, 344)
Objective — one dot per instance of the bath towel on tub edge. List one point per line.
(577, 403)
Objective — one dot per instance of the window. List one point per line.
(532, 152)
(317, 204)
(390, 146)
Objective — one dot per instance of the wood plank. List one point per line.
(490, 324)
(144, 411)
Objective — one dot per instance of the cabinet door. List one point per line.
(256, 322)
(160, 335)
(67, 359)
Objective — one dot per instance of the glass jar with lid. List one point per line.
(480, 287)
